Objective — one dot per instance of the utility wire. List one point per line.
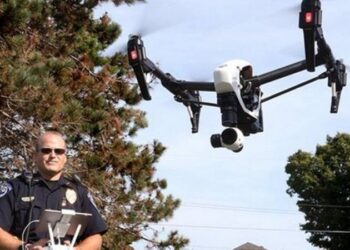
(228, 228)
(323, 205)
(241, 209)
(260, 209)
(192, 247)
(254, 229)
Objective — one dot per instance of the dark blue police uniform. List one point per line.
(22, 200)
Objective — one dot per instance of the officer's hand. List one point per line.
(66, 242)
(39, 245)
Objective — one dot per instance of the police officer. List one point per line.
(23, 199)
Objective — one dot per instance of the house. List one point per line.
(249, 246)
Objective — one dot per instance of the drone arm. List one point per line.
(172, 84)
(186, 92)
(310, 20)
(324, 50)
(200, 86)
(336, 73)
(281, 72)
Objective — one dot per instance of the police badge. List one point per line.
(71, 196)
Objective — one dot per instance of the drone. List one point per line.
(239, 94)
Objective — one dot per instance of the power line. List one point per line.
(254, 229)
(191, 247)
(323, 205)
(241, 209)
(260, 209)
(228, 228)
(221, 159)
(329, 231)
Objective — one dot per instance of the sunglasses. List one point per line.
(58, 151)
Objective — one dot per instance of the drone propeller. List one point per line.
(141, 31)
(146, 21)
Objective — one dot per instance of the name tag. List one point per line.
(28, 198)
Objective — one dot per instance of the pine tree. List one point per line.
(52, 75)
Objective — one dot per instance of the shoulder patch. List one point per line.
(5, 187)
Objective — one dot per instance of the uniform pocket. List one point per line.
(22, 214)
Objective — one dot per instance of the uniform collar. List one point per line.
(62, 181)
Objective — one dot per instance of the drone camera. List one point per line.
(229, 108)
(230, 138)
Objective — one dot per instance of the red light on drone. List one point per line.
(308, 17)
(133, 55)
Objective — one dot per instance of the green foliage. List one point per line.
(49, 52)
(322, 184)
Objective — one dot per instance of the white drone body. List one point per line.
(227, 78)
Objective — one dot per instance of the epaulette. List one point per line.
(75, 179)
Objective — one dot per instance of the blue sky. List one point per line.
(228, 198)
